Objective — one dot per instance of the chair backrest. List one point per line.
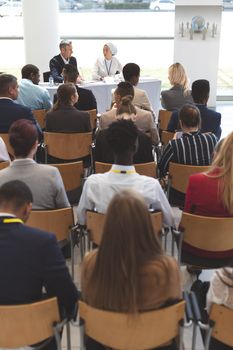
(163, 119)
(71, 173)
(39, 115)
(95, 225)
(5, 138)
(58, 221)
(120, 331)
(46, 76)
(223, 318)
(27, 324)
(208, 233)
(93, 118)
(148, 169)
(179, 174)
(4, 165)
(166, 136)
(68, 146)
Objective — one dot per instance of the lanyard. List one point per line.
(123, 171)
(108, 69)
(12, 220)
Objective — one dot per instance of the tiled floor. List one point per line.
(226, 109)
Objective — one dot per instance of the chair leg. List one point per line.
(68, 336)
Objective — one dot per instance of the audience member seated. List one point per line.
(139, 278)
(11, 111)
(193, 147)
(4, 155)
(103, 153)
(131, 73)
(108, 65)
(174, 98)
(99, 189)
(210, 120)
(86, 99)
(58, 62)
(32, 266)
(44, 181)
(64, 117)
(144, 119)
(31, 94)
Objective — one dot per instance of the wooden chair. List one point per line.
(212, 234)
(39, 115)
(67, 146)
(28, 324)
(58, 221)
(148, 169)
(220, 325)
(166, 136)
(178, 175)
(95, 224)
(5, 138)
(4, 165)
(93, 118)
(164, 118)
(71, 173)
(119, 331)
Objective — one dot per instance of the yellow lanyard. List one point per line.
(12, 220)
(117, 171)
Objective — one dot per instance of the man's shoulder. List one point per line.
(56, 58)
(84, 91)
(34, 234)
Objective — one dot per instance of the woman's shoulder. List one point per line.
(163, 263)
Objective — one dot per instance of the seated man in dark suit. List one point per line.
(58, 62)
(86, 99)
(11, 111)
(210, 120)
(30, 259)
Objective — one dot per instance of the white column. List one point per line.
(41, 32)
(199, 51)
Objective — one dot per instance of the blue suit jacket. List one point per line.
(29, 260)
(11, 111)
(56, 66)
(210, 121)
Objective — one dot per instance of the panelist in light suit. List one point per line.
(44, 181)
(108, 65)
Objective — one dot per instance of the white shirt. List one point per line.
(100, 188)
(4, 155)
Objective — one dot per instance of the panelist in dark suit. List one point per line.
(31, 261)
(86, 99)
(10, 111)
(210, 120)
(65, 117)
(58, 62)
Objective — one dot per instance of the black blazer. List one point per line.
(56, 66)
(68, 119)
(11, 111)
(31, 259)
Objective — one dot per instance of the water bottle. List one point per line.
(51, 81)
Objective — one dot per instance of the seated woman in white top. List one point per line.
(108, 65)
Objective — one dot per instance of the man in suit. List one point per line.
(210, 120)
(11, 111)
(144, 120)
(86, 98)
(44, 180)
(32, 266)
(58, 62)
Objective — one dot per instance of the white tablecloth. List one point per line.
(102, 92)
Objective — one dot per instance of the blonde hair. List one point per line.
(177, 76)
(224, 161)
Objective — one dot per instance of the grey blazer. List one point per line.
(174, 99)
(44, 181)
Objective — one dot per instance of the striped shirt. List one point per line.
(192, 148)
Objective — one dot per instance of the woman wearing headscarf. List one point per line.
(108, 65)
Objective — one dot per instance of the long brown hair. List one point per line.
(224, 162)
(128, 243)
(64, 94)
(126, 106)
